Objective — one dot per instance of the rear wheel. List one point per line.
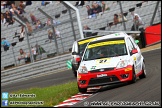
(74, 71)
(143, 75)
(82, 90)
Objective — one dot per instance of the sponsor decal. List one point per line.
(85, 41)
(101, 75)
(106, 43)
(93, 67)
(134, 58)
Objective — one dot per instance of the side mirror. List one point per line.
(74, 53)
(134, 51)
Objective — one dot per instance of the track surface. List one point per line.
(43, 81)
(148, 89)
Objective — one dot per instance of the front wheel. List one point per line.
(133, 77)
(143, 75)
(82, 90)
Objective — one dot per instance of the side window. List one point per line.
(130, 45)
(133, 41)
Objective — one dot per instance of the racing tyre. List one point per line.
(82, 90)
(75, 72)
(133, 77)
(143, 75)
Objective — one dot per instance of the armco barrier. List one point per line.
(27, 71)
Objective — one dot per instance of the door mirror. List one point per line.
(74, 53)
(134, 51)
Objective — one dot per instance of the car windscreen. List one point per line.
(105, 49)
(83, 43)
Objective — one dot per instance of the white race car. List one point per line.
(110, 59)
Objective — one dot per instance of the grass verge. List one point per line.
(51, 96)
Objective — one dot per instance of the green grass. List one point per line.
(51, 96)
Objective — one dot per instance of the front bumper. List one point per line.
(105, 77)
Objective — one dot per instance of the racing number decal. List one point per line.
(103, 61)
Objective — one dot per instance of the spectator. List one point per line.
(116, 19)
(3, 4)
(104, 7)
(57, 33)
(39, 50)
(22, 32)
(8, 13)
(21, 7)
(50, 35)
(16, 11)
(30, 30)
(12, 10)
(97, 8)
(8, 4)
(134, 14)
(79, 3)
(87, 34)
(5, 44)
(33, 49)
(56, 22)
(48, 22)
(3, 19)
(121, 19)
(90, 12)
(33, 18)
(9, 20)
(23, 55)
(137, 22)
(28, 3)
(38, 24)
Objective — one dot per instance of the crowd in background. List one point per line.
(17, 8)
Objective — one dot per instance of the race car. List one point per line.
(110, 59)
(77, 52)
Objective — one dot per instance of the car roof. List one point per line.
(110, 36)
(87, 38)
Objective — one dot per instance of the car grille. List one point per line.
(105, 69)
(101, 80)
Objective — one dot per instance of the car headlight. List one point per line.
(122, 64)
(83, 69)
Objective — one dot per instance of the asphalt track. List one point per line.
(147, 90)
